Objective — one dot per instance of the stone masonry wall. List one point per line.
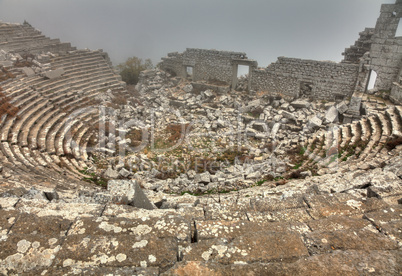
(361, 46)
(386, 49)
(326, 79)
(207, 64)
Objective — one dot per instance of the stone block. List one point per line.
(255, 103)
(27, 254)
(250, 248)
(331, 115)
(315, 122)
(131, 191)
(28, 224)
(288, 115)
(118, 251)
(53, 74)
(110, 173)
(342, 107)
(203, 178)
(29, 72)
(6, 63)
(173, 226)
(325, 242)
(188, 88)
(300, 104)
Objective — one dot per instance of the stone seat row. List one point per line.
(363, 139)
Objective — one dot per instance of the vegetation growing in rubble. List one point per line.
(5, 74)
(131, 68)
(93, 178)
(6, 107)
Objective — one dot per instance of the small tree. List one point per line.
(130, 70)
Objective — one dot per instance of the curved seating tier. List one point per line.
(360, 141)
(55, 116)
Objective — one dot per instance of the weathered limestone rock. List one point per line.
(300, 104)
(28, 71)
(342, 107)
(110, 173)
(315, 122)
(203, 177)
(130, 190)
(53, 74)
(331, 115)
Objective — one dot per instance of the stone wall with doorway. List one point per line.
(309, 78)
(386, 48)
(208, 65)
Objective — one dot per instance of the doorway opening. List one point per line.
(399, 29)
(189, 72)
(306, 89)
(371, 80)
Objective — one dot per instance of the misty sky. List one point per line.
(264, 29)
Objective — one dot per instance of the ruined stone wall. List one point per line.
(386, 49)
(264, 80)
(396, 90)
(326, 79)
(354, 53)
(206, 64)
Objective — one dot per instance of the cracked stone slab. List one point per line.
(349, 262)
(70, 211)
(329, 205)
(216, 212)
(325, 242)
(212, 229)
(273, 204)
(385, 218)
(8, 202)
(252, 247)
(7, 219)
(130, 212)
(122, 271)
(80, 251)
(130, 190)
(335, 223)
(393, 230)
(288, 215)
(191, 213)
(164, 227)
(29, 224)
(27, 253)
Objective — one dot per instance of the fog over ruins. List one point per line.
(191, 167)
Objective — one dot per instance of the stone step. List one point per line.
(356, 130)
(5, 148)
(72, 166)
(21, 124)
(366, 129)
(68, 127)
(393, 118)
(44, 130)
(68, 80)
(373, 146)
(386, 127)
(20, 157)
(346, 136)
(71, 144)
(32, 127)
